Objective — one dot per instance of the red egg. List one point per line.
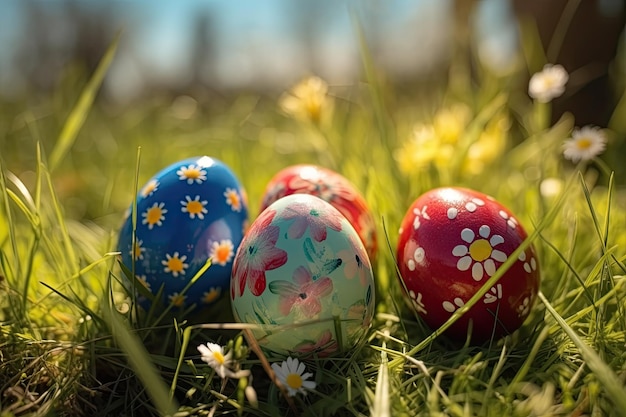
(451, 241)
(331, 187)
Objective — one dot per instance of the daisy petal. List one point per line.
(464, 263)
(477, 271)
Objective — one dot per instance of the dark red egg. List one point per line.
(330, 187)
(451, 241)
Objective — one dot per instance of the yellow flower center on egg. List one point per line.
(149, 188)
(137, 250)
(294, 381)
(195, 207)
(178, 300)
(222, 253)
(480, 250)
(210, 296)
(192, 173)
(233, 199)
(154, 215)
(175, 264)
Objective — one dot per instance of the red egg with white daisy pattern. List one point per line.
(452, 240)
(330, 187)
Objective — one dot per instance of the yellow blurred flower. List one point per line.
(308, 101)
(450, 123)
(489, 146)
(418, 152)
(436, 144)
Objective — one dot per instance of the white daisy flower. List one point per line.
(548, 84)
(585, 144)
(213, 354)
(291, 374)
(478, 252)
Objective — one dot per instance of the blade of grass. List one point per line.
(83, 271)
(602, 232)
(133, 219)
(605, 375)
(562, 26)
(592, 211)
(26, 206)
(181, 357)
(617, 122)
(571, 269)
(138, 358)
(79, 113)
(4, 192)
(71, 260)
(382, 405)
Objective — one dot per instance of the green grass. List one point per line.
(71, 345)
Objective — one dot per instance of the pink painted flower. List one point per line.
(313, 215)
(257, 254)
(325, 346)
(355, 261)
(303, 294)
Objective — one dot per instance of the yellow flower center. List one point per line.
(584, 143)
(233, 199)
(219, 358)
(194, 207)
(294, 381)
(137, 251)
(178, 300)
(480, 250)
(192, 173)
(314, 108)
(149, 188)
(154, 215)
(175, 264)
(549, 82)
(222, 253)
(210, 296)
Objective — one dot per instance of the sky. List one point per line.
(257, 42)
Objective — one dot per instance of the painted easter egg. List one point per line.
(303, 271)
(190, 212)
(451, 241)
(330, 187)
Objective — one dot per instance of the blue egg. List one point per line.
(190, 212)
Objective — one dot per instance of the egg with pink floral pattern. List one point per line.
(302, 272)
(330, 187)
(452, 240)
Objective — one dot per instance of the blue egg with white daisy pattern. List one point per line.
(189, 213)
